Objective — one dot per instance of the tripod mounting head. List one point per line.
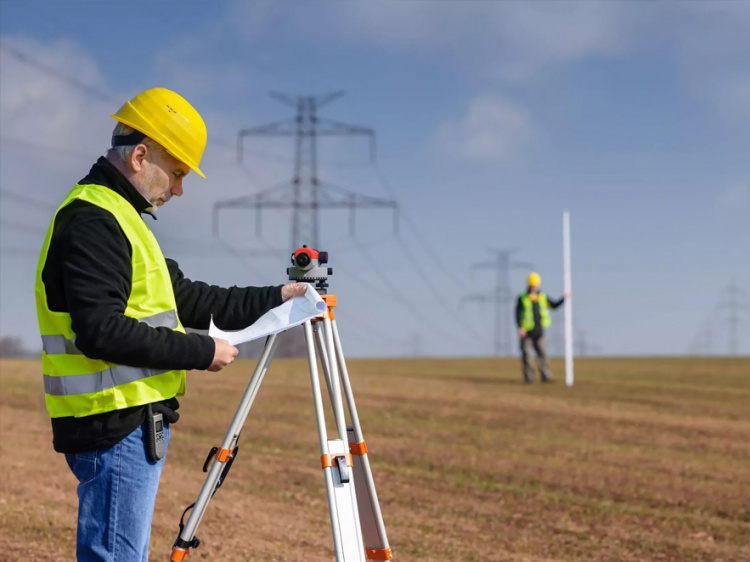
(306, 266)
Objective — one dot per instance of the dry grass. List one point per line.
(644, 459)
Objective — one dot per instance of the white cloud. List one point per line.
(39, 107)
(505, 40)
(492, 129)
(512, 41)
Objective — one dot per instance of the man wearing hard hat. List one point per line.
(532, 316)
(112, 313)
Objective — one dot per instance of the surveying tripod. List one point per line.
(356, 521)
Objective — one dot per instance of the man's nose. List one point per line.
(177, 187)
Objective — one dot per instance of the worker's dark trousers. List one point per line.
(540, 346)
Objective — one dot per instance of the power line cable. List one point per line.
(414, 262)
(439, 297)
(408, 305)
(41, 147)
(46, 69)
(436, 259)
(373, 331)
(231, 148)
(239, 256)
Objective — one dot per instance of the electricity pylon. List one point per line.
(736, 308)
(502, 296)
(305, 194)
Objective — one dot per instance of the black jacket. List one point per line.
(88, 274)
(538, 331)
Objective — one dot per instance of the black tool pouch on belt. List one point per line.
(154, 435)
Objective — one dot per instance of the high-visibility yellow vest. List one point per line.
(527, 319)
(76, 385)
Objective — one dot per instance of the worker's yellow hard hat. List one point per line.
(168, 119)
(534, 279)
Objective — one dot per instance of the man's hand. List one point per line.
(224, 354)
(292, 290)
(522, 332)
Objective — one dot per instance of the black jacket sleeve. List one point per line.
(519, 312)
(553, 304)
(97, 277)
(233, 308)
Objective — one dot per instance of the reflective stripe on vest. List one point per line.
(96, 382)
(58, 345)
(77, 385)
(527, 319)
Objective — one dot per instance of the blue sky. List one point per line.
(492, 117)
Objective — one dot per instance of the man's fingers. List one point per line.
(293, 290)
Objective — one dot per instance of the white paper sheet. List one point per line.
(292, 313)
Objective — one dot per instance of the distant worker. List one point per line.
(532, 316)
(112, 313)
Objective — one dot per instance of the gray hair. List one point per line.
(125, 152)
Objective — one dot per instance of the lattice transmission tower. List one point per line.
(501, 297)
(305, 194)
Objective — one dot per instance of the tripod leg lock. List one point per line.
(221, 455)
(341, 462)
(211, 453)
(331, 460)
(343, 469)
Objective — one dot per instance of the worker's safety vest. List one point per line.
(77, 385)
(527, 320)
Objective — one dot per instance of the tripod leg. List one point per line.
(336, 402)
(371, 518)
(323, 354)
(336, 463)
(224, 455)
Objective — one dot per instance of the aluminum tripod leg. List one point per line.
(320, 345)
(224, 454)
(335, 460)
(371, 518)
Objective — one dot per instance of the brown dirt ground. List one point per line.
(644, 459)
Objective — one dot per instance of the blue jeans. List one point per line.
(116, 496)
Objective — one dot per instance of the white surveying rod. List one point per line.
(568, 302)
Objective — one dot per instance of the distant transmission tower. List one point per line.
(703, 343)
(305, 194)
(501, 297)
(736, 308)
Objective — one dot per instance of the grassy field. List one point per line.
(644, 459)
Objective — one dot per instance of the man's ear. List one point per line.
(137, 157)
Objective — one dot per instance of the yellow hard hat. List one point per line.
(534, 279)
(168, 119)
